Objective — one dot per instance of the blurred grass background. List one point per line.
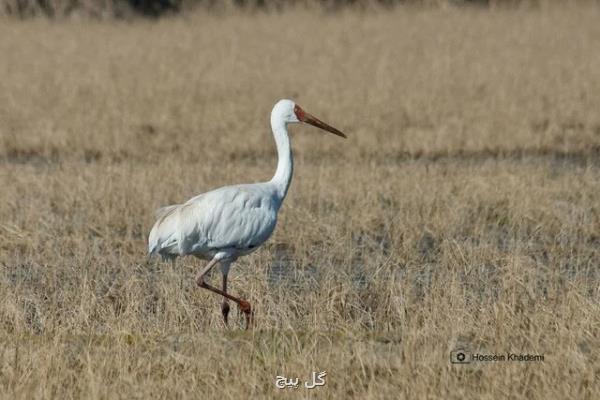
(157, 8)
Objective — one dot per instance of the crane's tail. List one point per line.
(163, 212)
(163, 238)
(165, 255)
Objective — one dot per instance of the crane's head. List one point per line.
(291, 112)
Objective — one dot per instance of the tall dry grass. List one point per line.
(462, 212)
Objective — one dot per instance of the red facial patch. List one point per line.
(299, 112)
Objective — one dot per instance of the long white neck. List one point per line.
(285, 164)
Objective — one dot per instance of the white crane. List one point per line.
(232, 221)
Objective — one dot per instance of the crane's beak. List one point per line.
(303, 116)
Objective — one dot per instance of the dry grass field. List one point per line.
(462, 212)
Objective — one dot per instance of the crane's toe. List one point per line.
(247, 310)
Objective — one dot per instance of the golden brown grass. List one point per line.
(462, 212)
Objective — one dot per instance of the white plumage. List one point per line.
(232, 221)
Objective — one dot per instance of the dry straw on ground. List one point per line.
(462, 212)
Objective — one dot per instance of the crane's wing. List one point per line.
(234, 217)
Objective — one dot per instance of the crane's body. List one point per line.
(232, 221)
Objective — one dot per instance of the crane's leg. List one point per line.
(243, 304)
(225, 264)
(225, 305)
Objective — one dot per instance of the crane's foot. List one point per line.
(247, 310)
(225, 311)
